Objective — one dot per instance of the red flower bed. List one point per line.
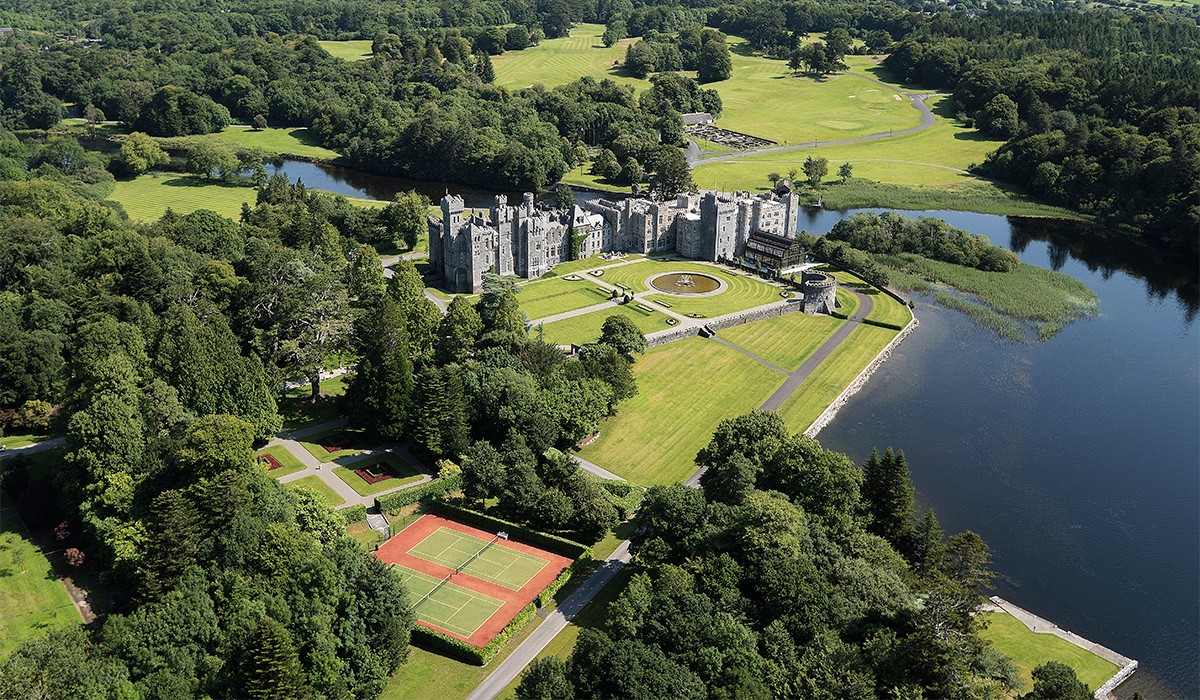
(376, 473)
(272, 463)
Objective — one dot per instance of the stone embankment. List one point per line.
(1041, 625)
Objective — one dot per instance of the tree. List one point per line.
(457, 331)
(715, 62)
(619, 332)
(605, 165)
(845, 171)
(639, 59)
(216, 443)
(602, 361)
(440, 424)
(139, 153)
(421, 316)
(730, 481)
(176, 111)
(484, 69)
(999, 117)
(482, 471)
(815, 169)
(364, 274)
(887, 493)
(272, 664)
(206, 157)
(379, 397)
(773, 178)
(317, 330)
(1055, 680)
(564, 197)
(632, 171)
(517, 38)
(259, 122)
(672, 174)
(545, 679)
(406, 219)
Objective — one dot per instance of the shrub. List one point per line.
(33, 416)
(354, 514)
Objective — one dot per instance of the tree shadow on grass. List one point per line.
(192, 181)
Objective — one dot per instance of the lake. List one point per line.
(1076, 459)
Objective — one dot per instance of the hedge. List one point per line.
(548, 592)
(393, 502)
(882, 324)
(624, 496)
(551, 543)
(354, 514)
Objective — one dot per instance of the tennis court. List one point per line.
(483, 558)
(450, 607)
(488, 579)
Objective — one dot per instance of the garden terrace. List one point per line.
(278, 461)
(314, 485)
(558, 294)
(377, 474)
(585, 328)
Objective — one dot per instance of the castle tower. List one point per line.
(718, 227)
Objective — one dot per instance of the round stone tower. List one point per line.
(820, 293)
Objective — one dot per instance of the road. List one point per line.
(555, 622)
(916, 100)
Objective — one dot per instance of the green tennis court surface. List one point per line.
(496, 564)
(451, 607)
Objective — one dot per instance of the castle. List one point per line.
(527, 241)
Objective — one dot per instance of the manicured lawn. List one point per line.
(886, 309)
(318, 488)
(848, 302)
(362, 533)
(785, 341)
(350, 437)
(353, 50)
(556, 62)
(298, 412)
(32, 598)
(146, 197)
(290, 465)
(402, 473)
(1029, 649)
(586, 328)
(684, 389)
(833, 375)
(556, 295)
(590, 263)
(12, 442)
(296, 141)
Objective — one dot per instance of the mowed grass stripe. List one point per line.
(499, 565)
(684, 389)
(454, 608)
(556, 295)
(886, 309)
(785, 341)
(585, 328)
(833, 375)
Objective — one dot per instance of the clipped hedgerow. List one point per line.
(393, 502)
(520, 533)
(353, 514)
(883, 324)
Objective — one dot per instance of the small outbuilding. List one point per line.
(697, 119)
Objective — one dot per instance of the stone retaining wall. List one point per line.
(830, 411)
(737, 318)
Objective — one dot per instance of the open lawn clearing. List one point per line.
(885, 310)
(449, 607)
(483, 559)
(353, 50)
(12, 442)
(684, 389)
(288, 464)
(299, 412)
(32, 598)
(556, 62)
(833, 375)
(590, 263)
(318, 488)
(396, 470)
(556, 295)
(147, 197)
(290, 141)
(1028, 650)
(785, 341)
(334, 444)
(585, 328)
(362, 533)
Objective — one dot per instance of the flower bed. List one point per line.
(375, 473)
(270, 461)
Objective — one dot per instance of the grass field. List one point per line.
(362, 533)
(453, 608)
(318, 488)
(847, 302)
(886, 309)
(298, 412)
(785, 341)
(291, 465)
(1029, 649)
(556, 295)
(316, 450)
(293, 141)
(353, 50)
(590, 263)
(498, 564)
(147, 197)
(655, 435)
(32, 597)
(402, 473)
(833, 375)
(586, 328)
(556, 62)
(12, 442)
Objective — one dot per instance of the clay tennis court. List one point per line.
(490, 579)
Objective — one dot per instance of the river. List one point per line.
(1076, 459)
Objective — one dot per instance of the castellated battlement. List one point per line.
(527, 241)
(820, 292)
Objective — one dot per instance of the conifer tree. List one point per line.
(421, 317)
(887, 493)
(380, 394)
(273, 668)
(457, 332)
(484, 69)
(928, 550)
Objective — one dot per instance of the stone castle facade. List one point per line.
(527, 240)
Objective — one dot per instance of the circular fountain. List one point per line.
(686, 283)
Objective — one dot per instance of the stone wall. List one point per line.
(737, 318)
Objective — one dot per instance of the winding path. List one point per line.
(917, 100)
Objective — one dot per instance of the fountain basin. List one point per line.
(686, 283)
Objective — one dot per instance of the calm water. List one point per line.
(1076, 459)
